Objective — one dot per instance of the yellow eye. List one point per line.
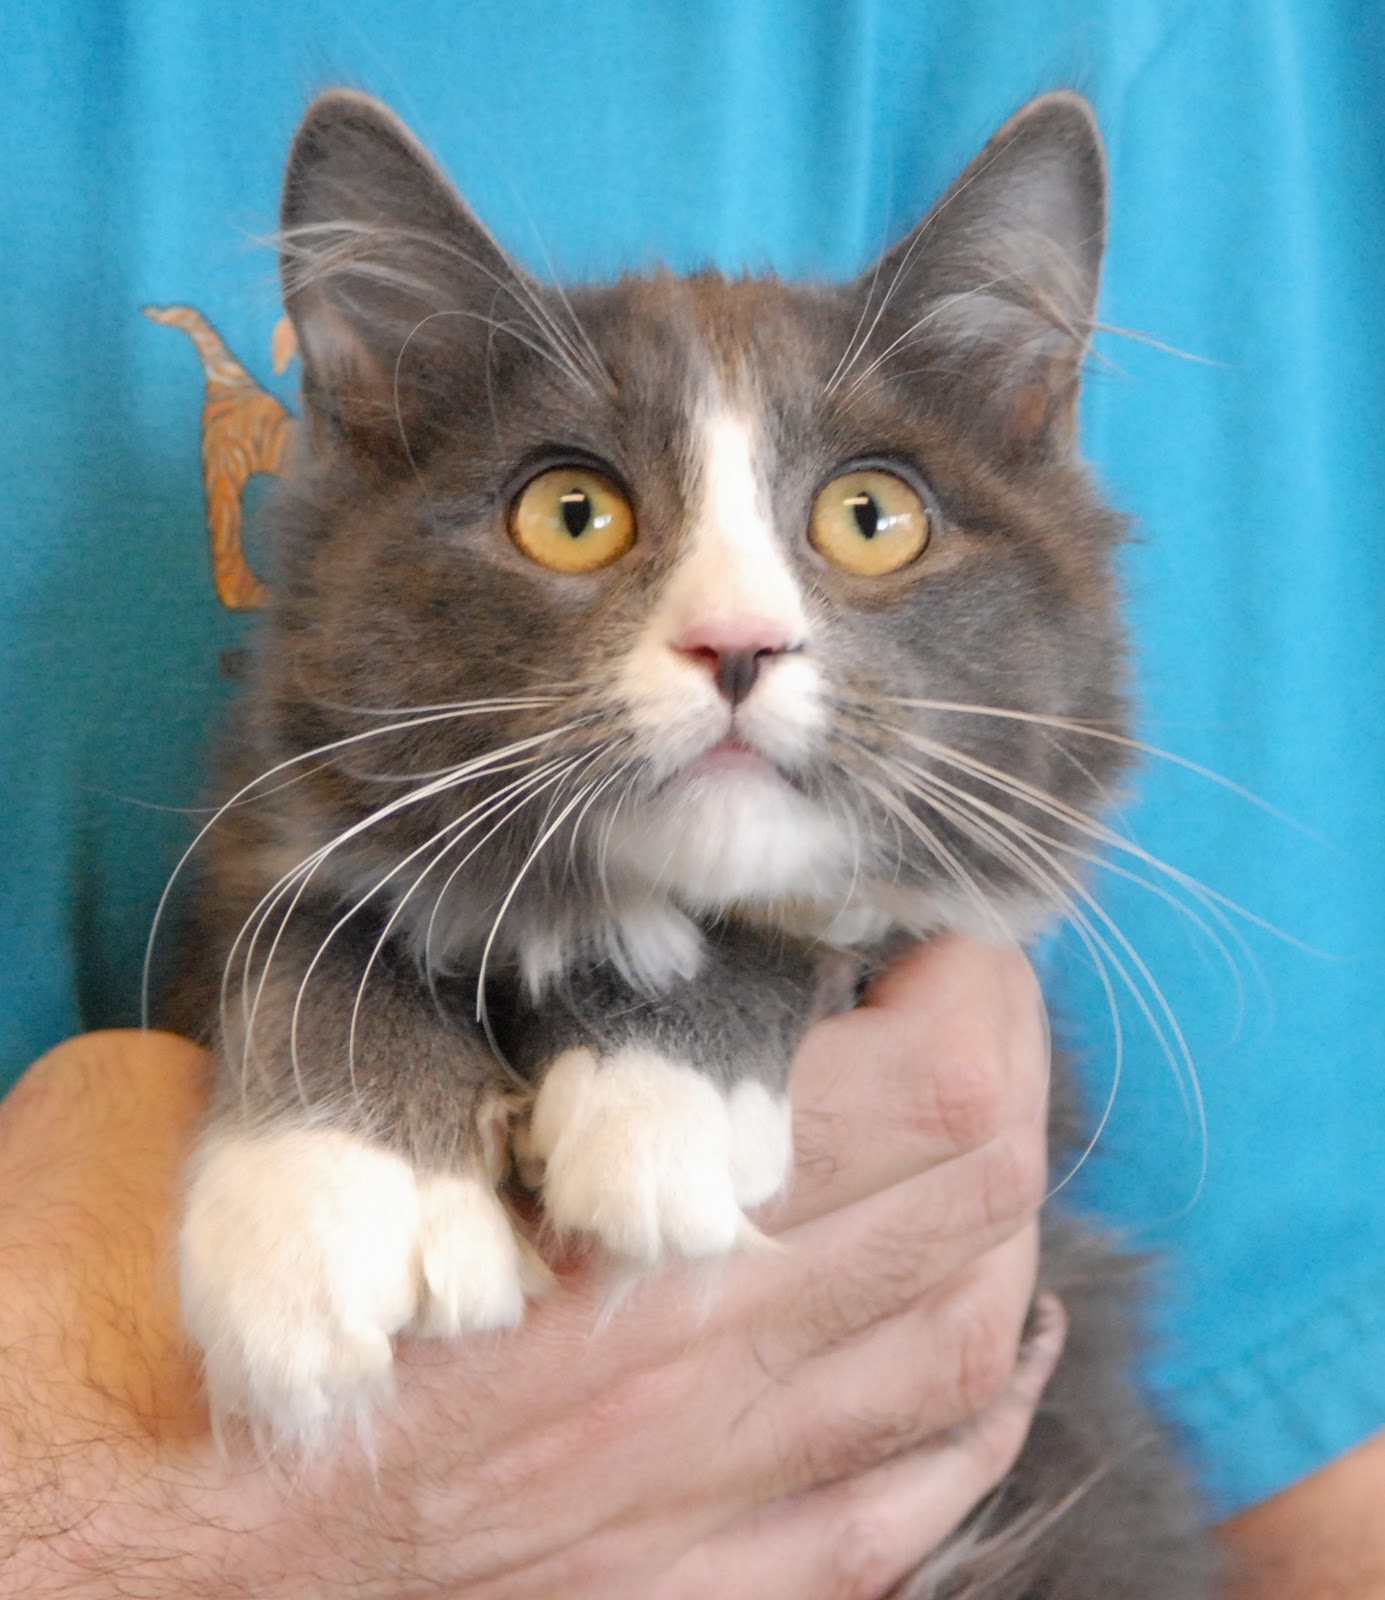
(572, 520)
(869, 522)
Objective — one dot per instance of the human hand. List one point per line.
(813, 1422)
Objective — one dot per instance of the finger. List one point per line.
(949, 1049)
(932, 1368)
(844, 1272)
(858, 1539)
(829, 1280)
(653, 1385)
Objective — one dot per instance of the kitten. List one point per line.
(632, 648)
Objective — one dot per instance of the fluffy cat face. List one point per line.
(774, 593)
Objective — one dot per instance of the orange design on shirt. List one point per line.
(245, 430)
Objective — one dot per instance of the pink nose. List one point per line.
(732, 649)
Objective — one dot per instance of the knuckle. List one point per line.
(865, 1562)
(995, 1439)
(968, 1097)
(1015, 1177)
(987, 1347)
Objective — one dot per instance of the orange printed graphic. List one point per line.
(245, 430)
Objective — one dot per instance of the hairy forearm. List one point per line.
(490, 1479)
(1323, 1539)
(101, 1428)
(111, 1485)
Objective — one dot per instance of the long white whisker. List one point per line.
(1143, 988)
(1098, 950)
(1136, 336)
(248, 791)
(1227, 913)
(848, 356)
(945, 857)
(1004, 834)
(1217, 906)
(527, 702)
(301, 875)
(604, 842)
(597, 365)
(308, 867)
(581, 816)
(1090, 730)
(482, 1015)
(458, 828)
(1207, 898)
(552, 775)
(476, 766)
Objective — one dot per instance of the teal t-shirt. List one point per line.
(1243, 432)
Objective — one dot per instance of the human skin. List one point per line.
(806, 1421)
(541, 1463)
(1323, 1539)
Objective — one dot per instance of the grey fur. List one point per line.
(438, 377)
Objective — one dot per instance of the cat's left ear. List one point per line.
(1000, 280)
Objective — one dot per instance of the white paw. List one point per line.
(761, 1142)
(468, 1257)
(651, 1156)
(303, 1251)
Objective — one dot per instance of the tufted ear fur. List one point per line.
(392, 284)
(1000, 280)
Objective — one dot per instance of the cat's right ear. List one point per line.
(388, 277)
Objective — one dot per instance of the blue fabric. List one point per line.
(146, 142)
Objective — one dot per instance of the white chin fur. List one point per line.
(723, 837)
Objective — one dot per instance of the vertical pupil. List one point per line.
(866, 513)
(577, 511)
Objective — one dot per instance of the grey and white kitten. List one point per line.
(634, 651)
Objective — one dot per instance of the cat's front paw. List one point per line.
(303, 1251)
(651, 1156)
